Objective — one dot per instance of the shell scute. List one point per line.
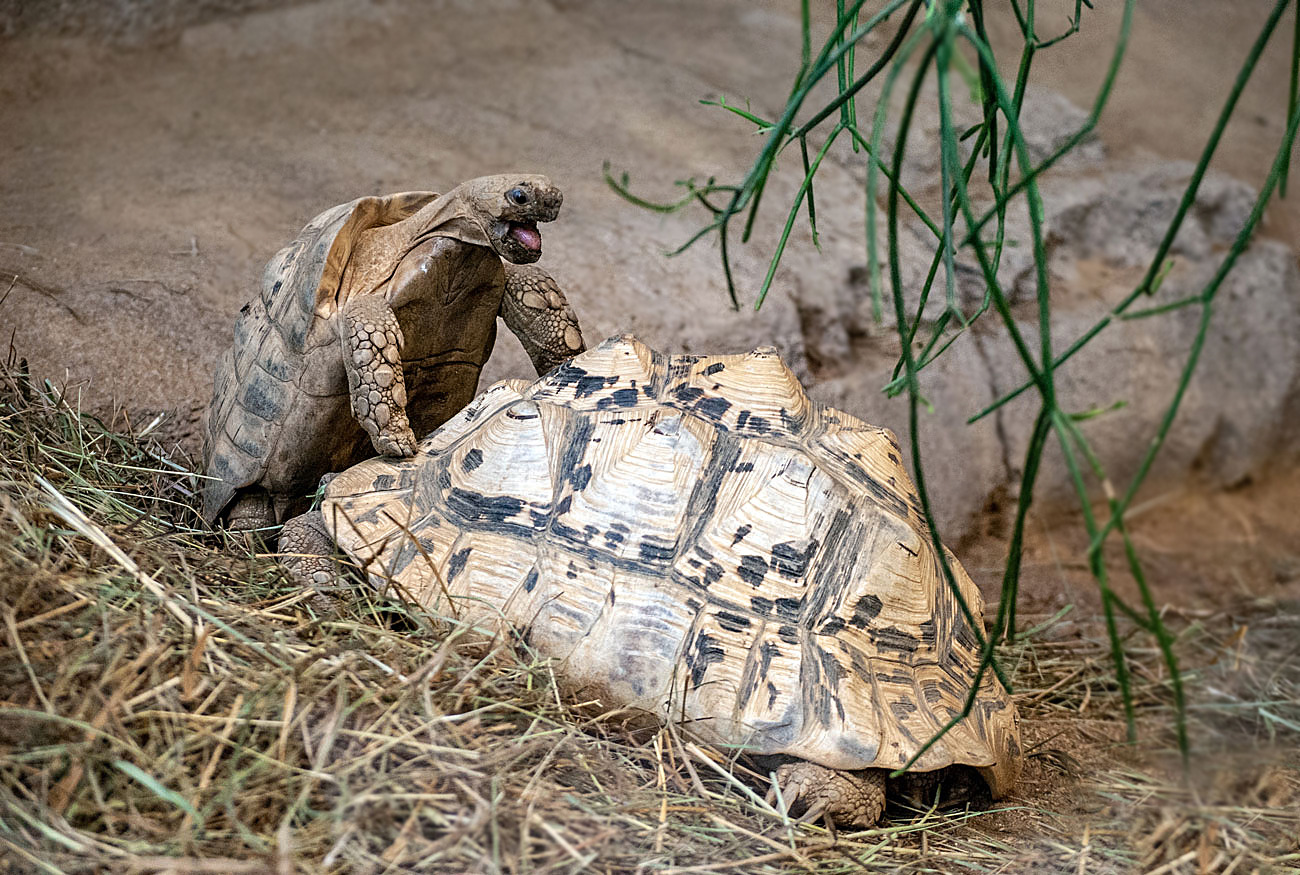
(497, 396)
(571, 592)
(753, 394)
(264, 397)
(628, 651)
(861, 460)
(766, 713)
(658, 460)
(251, 436)
(497, 477)
(612, 374)
(482, 573)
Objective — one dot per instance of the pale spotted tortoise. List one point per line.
(694, 537)
(372, 326)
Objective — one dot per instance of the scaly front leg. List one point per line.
(852, 799)
(372, 347)
(535, 309)
(307, 550)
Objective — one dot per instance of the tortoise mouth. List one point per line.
(526, 235)
(518, 242)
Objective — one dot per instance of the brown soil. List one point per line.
(146, 186)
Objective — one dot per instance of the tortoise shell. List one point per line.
(269, 380)
(281, 412)
(695, 537)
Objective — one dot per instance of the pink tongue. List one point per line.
(529, 237)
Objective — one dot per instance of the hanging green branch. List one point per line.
(938, 32)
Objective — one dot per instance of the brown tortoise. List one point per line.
(694, 537)
(371, 327)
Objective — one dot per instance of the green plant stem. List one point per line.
(804, 189)
(874, 70)
(1293, 98)
(895, 278)
(756, 180)
(1109, 601)
(947, 159)
(1068, 32)
(873, 172)
(808, 171)
(915, 326)
(1188, 198)
(1015, 549)
(986, 90)
(1207, 300)
(1099, 104)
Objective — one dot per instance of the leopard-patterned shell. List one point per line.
(695, 537)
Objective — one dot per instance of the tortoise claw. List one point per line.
(788, 796)
(813, 813)
(394, 442)
(848, 798)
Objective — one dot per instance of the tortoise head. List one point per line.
(508, 207)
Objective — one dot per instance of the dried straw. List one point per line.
(169, 703)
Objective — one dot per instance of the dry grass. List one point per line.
(1134, 808)
(169, 704)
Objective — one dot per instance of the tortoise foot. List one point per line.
(251, 515)
(307, 553)
(391, 441)
(249, 512)
(852, 799)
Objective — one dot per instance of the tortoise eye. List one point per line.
(518, 196)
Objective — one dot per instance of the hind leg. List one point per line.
(251, 513)
(853, 799)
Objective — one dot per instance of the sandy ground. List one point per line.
(145, 187)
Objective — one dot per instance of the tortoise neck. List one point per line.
(396, 237)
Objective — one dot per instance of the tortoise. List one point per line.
(694, 537)
(371, 326)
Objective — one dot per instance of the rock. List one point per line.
(1232, 418)
(1100, 233)
(1122, 216)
